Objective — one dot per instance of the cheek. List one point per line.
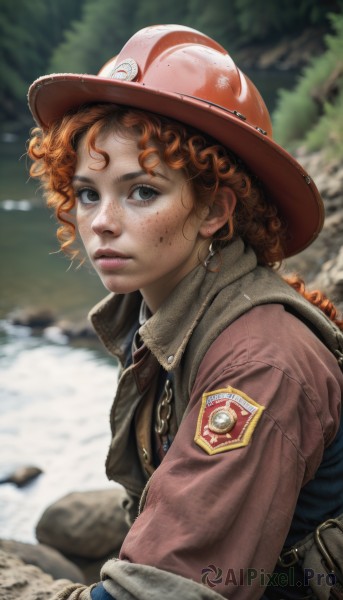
(82, 227)
(166, 231)
(175, 226)
(158, 230)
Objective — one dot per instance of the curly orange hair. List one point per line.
(207, 165)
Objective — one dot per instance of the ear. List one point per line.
(219, 213)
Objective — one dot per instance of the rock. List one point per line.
(328, 177)
(77, 331)
(321, 264)
(22, 476)
(64, 332)
(288, 53)
(34, 318)
(330, 279)
(47, 559)
(330, 88)
(85, 524)
(304, 46)
(275, 55)
(19, 581)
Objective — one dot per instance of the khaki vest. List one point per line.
(179, 335)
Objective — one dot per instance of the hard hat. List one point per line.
(183, 74)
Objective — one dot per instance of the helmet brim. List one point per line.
(286, 183)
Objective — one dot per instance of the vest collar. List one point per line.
(168, 331)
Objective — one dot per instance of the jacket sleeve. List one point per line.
(213, 524)
(122, 580)
(222, 518)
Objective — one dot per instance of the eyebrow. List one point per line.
(121, 178)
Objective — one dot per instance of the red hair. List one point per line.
(207, 165)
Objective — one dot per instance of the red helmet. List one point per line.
(181, 73)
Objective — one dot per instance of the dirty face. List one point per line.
(140, 231)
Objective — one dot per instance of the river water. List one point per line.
(54, 398)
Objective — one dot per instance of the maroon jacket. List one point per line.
(232, 510)
(257, 399)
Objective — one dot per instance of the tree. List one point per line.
(260, 18)
(157, 12)
(107, 24)
(312, 113)
(44, 36)
(28, 32)
(103, 29)
(217, 19)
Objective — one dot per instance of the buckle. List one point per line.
(288, 558)
(321, 544)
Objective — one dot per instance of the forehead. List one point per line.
(101, 134)
(118, 151)
(107, 145)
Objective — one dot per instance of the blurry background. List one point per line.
(56, 384)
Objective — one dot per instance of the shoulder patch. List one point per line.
(226, 420)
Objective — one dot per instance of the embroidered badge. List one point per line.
(226, 420)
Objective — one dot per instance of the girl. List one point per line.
(226, 421)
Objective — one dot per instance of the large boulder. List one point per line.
(19, 581)
(85, 524)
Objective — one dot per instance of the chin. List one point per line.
(118, 288)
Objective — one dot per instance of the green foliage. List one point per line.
(231, 22)
(42, 36)
(104, 27)
(17, 50)
(152, 12)
(217, 19)
(300, 115)
(114, 21)
(28, 32)
(328, 131)
(267, 17)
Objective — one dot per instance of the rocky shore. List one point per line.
(75, 535)
(321, 265)
(289, 53)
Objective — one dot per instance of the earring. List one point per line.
(211, 252)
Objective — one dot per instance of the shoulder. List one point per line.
(271, 334)
(275, 359)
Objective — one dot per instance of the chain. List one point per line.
(164, 410)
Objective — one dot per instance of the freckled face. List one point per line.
(138, 230)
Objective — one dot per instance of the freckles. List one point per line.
(166, 228)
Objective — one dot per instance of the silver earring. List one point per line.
(211, 252)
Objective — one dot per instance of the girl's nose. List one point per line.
(108, 218)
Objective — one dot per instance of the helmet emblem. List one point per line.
(126, 70)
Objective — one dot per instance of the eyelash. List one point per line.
(154, 193)
(145, 187)
(81, 191)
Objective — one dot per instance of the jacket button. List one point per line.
(170, 359)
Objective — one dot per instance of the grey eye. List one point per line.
(87, 196)
(144, 193)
